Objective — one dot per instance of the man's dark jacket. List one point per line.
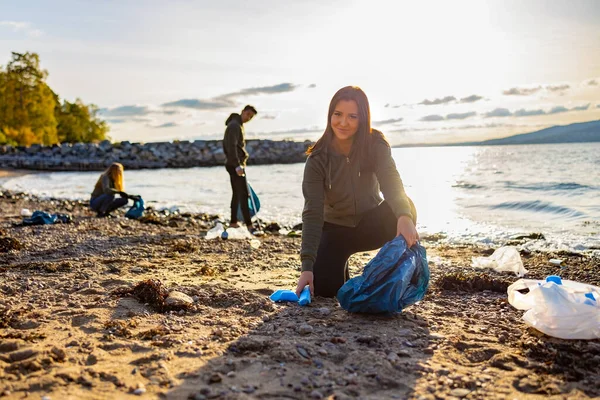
(234, 143)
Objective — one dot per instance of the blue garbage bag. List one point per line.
(44, 218)
(397, 277)
(253, 212)
(137, 209)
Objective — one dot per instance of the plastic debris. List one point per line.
(215, 232)
(560, 308)
(505, 258)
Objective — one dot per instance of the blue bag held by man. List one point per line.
(397, 277)
(252, 201)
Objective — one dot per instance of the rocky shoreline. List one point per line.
(176, 154)
(78, 320)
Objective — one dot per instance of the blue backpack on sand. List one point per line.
(397, 277)
(137, 209)
(253, 212)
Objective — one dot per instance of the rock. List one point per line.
(315, 394)
(393, 357)
(459, 392)
(92, 359)
(302, 351)
(305, 329)
(215, 378)
(139, 391)
(22, 354)
(58, 354)
(28, 324)
(324, 311)
(137, 270)
(178, 299)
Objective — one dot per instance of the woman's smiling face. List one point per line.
(344, 120)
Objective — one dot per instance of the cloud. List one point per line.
(312, 86)
(116, 120)
(592, 82)
(386, 121)
(280, 88)
(229, 100)
(435, 117)
(478, 126)
(447, 99)
(521, 91)
(124, 111)
(22, 27)
(461, 115)
(311, 129)
(430, 118)
(558, 110)
(471, 99)
(558, 88)
(268, 116)
(528, 113)
(581, 108)
(166, 125)
(214, 104)
(498, 112)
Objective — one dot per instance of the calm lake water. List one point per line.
(471, 194)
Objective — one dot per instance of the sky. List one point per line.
(434, 71)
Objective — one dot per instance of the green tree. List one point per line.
(26, 101)
(78, 122)
(30, 112)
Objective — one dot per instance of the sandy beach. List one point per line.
(83, 316)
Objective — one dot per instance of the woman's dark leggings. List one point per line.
(239, 196)
(377, 227)
(106, 203)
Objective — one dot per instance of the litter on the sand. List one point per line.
(26, 212)
(397, 277)
(285, 295)
(555, 261)
(560, 308)
(505, 258)
(215, 232)
(44, 218)
(137, 209)
(237, 233)
(304, 296)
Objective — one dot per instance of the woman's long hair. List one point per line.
(115, 173)
(364, 135)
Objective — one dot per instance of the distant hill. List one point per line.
(573, 133)
(580, 132)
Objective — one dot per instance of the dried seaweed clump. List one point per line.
(7, 244)
(152, 292)
(472, 282)
(184, 246)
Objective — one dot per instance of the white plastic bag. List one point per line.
(215, 232)
(25, 212)
(566, 310)
(505, 258)
(238, 233)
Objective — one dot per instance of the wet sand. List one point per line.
(71, 326)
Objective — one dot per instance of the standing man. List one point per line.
(234, 146)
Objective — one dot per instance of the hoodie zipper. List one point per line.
(353, 191)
